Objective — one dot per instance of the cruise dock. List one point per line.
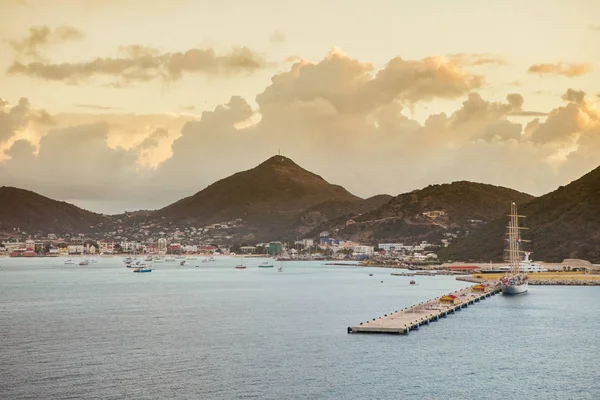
(402, 322)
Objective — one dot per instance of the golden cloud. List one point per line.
(570, 70)
(141, 64)
(337, 117)
(42, 36)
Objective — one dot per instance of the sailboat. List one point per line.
(241, 265)
(514, 282)
(84, 261)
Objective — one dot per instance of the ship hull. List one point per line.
(514, 289)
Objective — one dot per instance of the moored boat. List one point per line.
(514, 282)
(265, 264)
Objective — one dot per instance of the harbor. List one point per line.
(404, 321)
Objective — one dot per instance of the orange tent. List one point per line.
(480, 288)
(449, 299)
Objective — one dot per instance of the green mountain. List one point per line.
(269, 198)
(33, 213)
(431, 214)
(562, 224)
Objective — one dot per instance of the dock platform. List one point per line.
(402, 322)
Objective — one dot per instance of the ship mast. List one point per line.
(514, 240)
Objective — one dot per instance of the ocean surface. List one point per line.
(214, 332)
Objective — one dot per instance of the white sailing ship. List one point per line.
(514, 282)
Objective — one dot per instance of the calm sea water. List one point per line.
(214, 332)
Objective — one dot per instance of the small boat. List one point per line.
(370, 274)
(192, 258)
(143, 269)
(413, 282)
(205, 260)
(84, 262)
(280, 269)
(127, 260)
(69, 261)
(169, 259)
(211, 259)
(240, 266)
(157, 260)
(182, 263)
(148, 258)
(265, 264)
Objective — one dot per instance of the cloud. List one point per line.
(153, 140)
(95, 107)
(42, 36)
(338, 117)
(564, 123)
(569, 70)
(19, 118)
(476, 59)
(142, 64)
(277, 37)
(575, 96)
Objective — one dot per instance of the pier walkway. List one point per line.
(409, 319)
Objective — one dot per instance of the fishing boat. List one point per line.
(265, 264)
(143, 268)
(515, 282)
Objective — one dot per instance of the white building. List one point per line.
(162, 246)
(363, 250)
(106, 246)
(76, 249)
(391, 246)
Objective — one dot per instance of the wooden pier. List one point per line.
(402, 322)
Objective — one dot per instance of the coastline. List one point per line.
(553, 280)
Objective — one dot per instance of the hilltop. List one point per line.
(33, 213)
(268, 198)
(562, 224)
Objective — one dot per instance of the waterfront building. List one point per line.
(162, 246)
(275, 248)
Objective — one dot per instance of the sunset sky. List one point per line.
(120, 105)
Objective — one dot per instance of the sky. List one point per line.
(118, 105)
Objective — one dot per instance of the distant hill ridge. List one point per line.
(31, 212)
(427, 214)
(562, 224)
